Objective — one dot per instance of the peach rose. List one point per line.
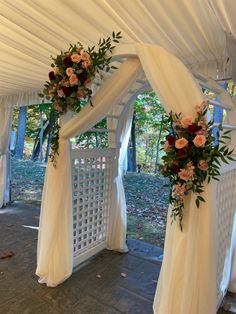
(186, 174)
(199, 140)
(69, 71)
(76, 57)
(73, 80)
(203, 165)
(186, 121)
(85, 56)
(181, 143)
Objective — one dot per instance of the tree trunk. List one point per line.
(51, 123)
(41, 135)
(146, 152)
(36, 151)
(129, 160)
(21, 133)
(158, 145)
(133, 143)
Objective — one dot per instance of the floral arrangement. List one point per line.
(71, 77)
(190, 156)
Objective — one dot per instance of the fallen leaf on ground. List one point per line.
(98, 276)
(123, 275)
(7, 254)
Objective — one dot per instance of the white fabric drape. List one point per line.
(55, 256)
(125, 135)
(118, 218)
(187, 283)
(5, 128)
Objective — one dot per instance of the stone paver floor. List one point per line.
(84, 292)
(97, 288)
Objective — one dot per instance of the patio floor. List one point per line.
(109, 283)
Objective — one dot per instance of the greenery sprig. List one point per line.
(191, 157)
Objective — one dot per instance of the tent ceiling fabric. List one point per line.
(32, 31)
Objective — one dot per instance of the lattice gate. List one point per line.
(225, 210)
(92, 180)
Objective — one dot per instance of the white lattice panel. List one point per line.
(92, 176)
(225, 205)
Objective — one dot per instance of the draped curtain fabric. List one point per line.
(5, 128)
(55, 256)
(118, 218)
(187, 283)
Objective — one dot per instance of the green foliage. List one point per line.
(149, 112)
(93, 139)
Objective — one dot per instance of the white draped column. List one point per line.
(187, 283)
(5, 129)
(55, 245)
(118, 216)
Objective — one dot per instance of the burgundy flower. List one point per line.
(51, 76)
(175, 168)
(170, 139)
(67, 90)
(183, 152)
(193, 128)
(68, 62)
(82, 77)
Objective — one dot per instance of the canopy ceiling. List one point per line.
(33, 30)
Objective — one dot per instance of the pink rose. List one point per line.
(88, 83)
(186, 174)
(60, 93)
(180, 190)
(76, 57)
(186, 121)
(167, 146)
(203, 165)
(181, 143)
(81, 93)
(86, 64)
(199, 140)
(69, 71)
(73, 80)
(190, 168)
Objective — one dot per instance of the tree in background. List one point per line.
(21, 133)
(146, 132)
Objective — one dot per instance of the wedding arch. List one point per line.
(83, 205)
